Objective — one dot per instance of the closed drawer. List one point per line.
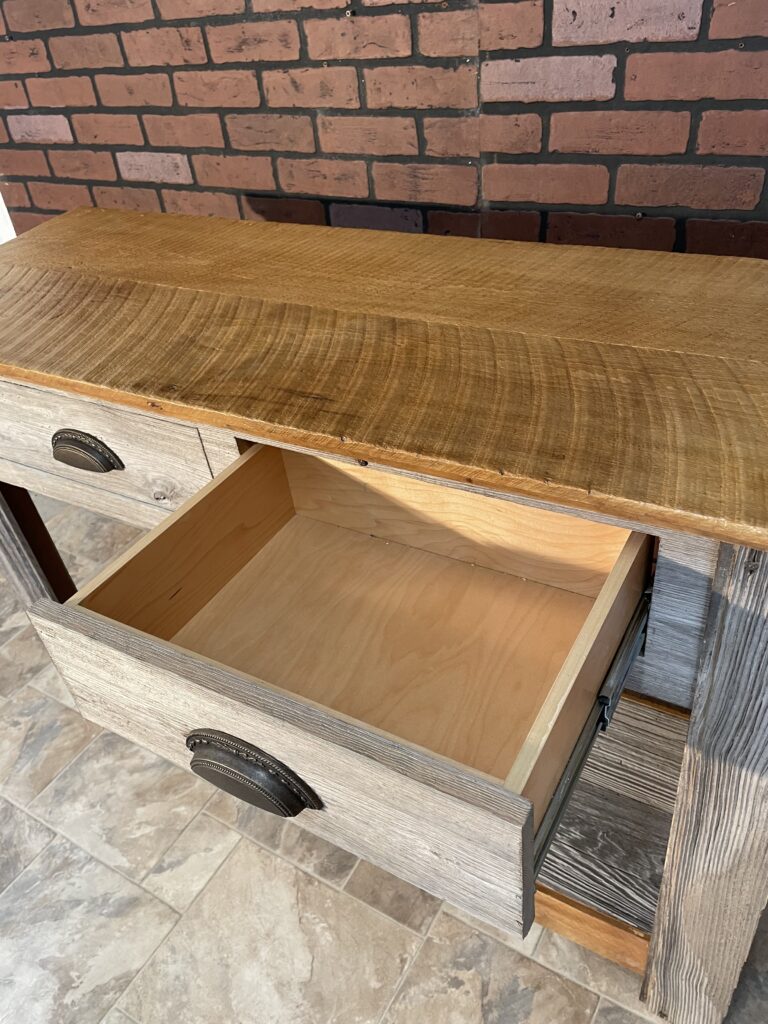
(163, 463)
(423, 659)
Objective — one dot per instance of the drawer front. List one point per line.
(164, 462)
(452, 832)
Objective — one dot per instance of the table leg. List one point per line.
(28, 556)
(715, 882)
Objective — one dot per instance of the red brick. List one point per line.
(88, 164)
(52, 195)
(38, 15)
(253, 40)
(312, 87)
(26, 221)
(732, 19)
(148, 47)
(511, 26)
(375, 217)
(690, 185)
(510, 225)
(452, 136)
(361, 38)
(3, 28)
(217, 88)
(134, 90)
(23, 163)
(510, 133)
(171, 168)
(39, 128)
(448, 33)
(270, 6)
(375, 136)
(452, 184)
(548, 79)
(171, 9)
(108, 129)
(546, 183)
(12, 95)
(728, 237)
(741, 132)
(453, 222)
(720, 75)
(421, 87)
(14, 193)
(67, 91)
(3, 133)
(619, 131)
(113, 12)
(185, 131)
(201, 204)
(141, 199)
(252, 173)
(617, 232)
(344, 178)
(23, 57)
(288, 132)
(100, 50)
(283, 211)
(581, 22)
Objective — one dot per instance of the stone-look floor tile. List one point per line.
(187, 866)
(123, 804)
(22, 659)
(38, 738)
(610, 1013)
(397, 899)
(309, 851)
(526, 946)
(21, 839)
(462, 976)
(90, 536)
(750, 1002)
(117, 1017)
(265, 942)
(587, 968)
(49, 507)
(72, 935)
(316, 855)
(49, 682)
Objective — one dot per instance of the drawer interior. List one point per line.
(475, 627)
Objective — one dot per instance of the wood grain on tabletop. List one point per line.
(632, 383)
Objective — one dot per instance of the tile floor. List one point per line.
(133, 893)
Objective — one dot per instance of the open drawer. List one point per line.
(414, 663)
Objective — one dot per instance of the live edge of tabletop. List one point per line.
(624, 387)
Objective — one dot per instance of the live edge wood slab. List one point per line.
(628, 383)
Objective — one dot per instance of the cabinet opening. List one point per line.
(472, 626)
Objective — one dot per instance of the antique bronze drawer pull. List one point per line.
(249, 774)
(84, 451)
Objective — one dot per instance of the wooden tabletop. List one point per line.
(622, 382)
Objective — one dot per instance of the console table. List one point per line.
(419, 510)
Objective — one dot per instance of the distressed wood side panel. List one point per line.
(684, 570)
(29, 560)
(455, 834)
(164, 461)
(716, 873)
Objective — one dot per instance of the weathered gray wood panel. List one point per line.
(450, 831)
(609, 850)
(29, 560)
(164, 461)
(716, 874)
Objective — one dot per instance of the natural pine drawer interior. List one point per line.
(471, 626)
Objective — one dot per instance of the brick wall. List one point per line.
(620, 122)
